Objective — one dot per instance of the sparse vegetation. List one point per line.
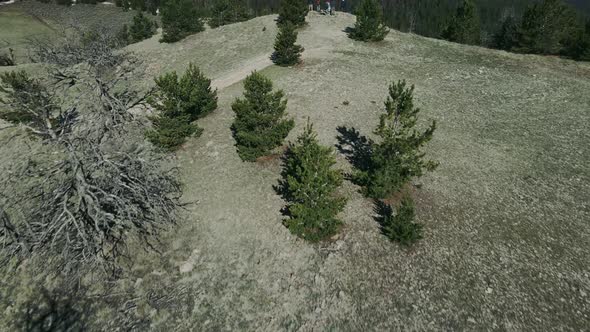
(309, 185)
(180, 18)
(260, 123)
(180, 101)
(227, 258)
(369, 24)
(287, 53)
(397, 157)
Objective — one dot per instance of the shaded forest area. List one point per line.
(426, 17)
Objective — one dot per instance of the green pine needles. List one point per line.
(397, 157)
(369, 24)
(180, 18)
(225, 12)
(260, 124)
(464, 27)
(309, 185)
(287, 53)
(400, 227)
(180, 101)
(142, 28)
(293, 11)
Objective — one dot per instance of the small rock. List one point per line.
(471, 320)
(489, 290)
(186, 267)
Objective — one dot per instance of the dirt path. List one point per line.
(235, 76)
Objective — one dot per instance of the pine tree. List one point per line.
(190, 95)
(260, 123)
(225, 12)
(400, 227)
(507, 36)
(180, 102)
(309, 184)
(142, 28)
(369, 24)
(464, 27)
(287, 53)
(170, 132)
(180, 18)
(293, 11)
(577, 45)
(397, 158)
(544, 27)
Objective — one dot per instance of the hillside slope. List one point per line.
(506, 214)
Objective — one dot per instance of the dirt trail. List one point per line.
(235, 76)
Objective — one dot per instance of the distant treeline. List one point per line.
(424, 17)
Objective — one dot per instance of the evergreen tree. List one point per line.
(507, 37)
(122, 37)
(179, 19)
(180, 102)
(309, 184)
(577, 45)
(293, 11)
(400, 227)
(287, 53)
(169, 132)
(228, 11)
(544, 27)
(464, 27)
(260, 123)
(190, 95)
(397, 158)
(142, 28)
(369, 24)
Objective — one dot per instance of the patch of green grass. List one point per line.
(17, 27)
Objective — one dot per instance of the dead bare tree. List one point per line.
(102, 186)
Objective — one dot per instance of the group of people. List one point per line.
(328, 8)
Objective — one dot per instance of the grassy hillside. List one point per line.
(506, 214)
(28, 19)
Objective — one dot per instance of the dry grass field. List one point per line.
(506, 215)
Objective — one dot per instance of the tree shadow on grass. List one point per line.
(355, 147)
(383, 212)
(348, 30)
(54, 311)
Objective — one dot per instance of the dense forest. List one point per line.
(424, 17)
